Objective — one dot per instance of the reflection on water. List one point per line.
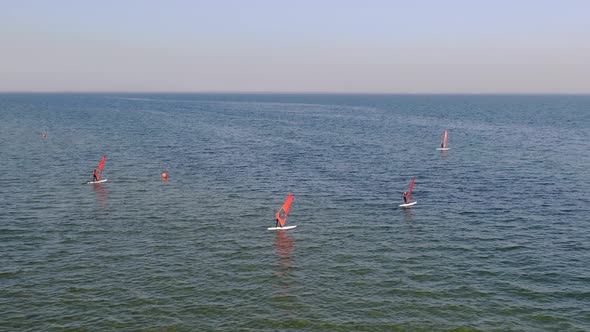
(283, 267)
(408, 215)
(101, 195)
(283, 250)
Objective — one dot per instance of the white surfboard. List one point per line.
(443, 149)
(408, 204)
(95, 182)
(281, 228)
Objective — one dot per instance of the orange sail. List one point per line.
(411, 188)
(101, 164)
(283, 212)
(444, 141)
(100, 167)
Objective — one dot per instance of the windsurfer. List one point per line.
(282, 213)
(405, 197)
(95, 175)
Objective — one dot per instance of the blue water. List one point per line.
(498, 241)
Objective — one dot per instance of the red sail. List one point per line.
(444, 142)
(283, 212)
(98, 173)
(101, 164)
(411, 188)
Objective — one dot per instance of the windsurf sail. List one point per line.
(101, 163)
(283, 212)
(410, 192)
(100, 167)
(444, 141)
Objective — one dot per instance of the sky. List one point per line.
(370, 46)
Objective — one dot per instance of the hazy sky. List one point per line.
(442, 46)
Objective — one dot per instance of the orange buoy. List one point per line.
(44, 135)
(164, 176)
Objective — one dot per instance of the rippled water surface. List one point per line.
(498, 241)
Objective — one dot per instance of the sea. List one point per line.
(499, 238)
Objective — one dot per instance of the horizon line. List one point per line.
(298, 93)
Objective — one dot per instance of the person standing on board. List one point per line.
(405, 197)
(95, 176)
(277, 216)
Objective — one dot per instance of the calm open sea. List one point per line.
(499, 239)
